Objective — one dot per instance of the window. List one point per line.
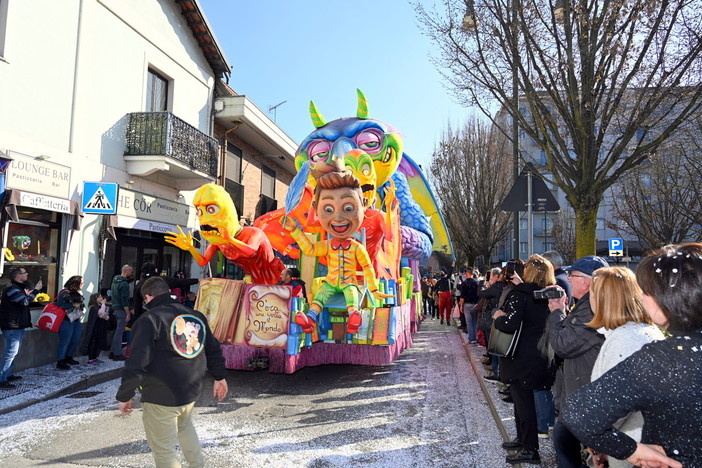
(156, 92)
(523, 247)
(267, 182)
(548, 226)
(600, 224)
(234, 157)
(33, 243)
(522, 134)
(3, 26)
(543, 158)
(523, 224)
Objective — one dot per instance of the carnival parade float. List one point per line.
(359, 216)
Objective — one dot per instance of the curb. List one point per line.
(486, 393)
(83, 384)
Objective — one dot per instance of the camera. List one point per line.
(548, 293)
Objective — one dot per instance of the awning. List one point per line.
(13, 198)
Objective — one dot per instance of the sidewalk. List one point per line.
(46, 382)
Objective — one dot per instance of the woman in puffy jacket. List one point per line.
(70, 299)
(529, 369)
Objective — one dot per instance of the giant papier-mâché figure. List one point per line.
(332, 146)
(246, 246)
(339, 205)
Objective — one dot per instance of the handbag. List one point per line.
(503, 344)
(51, 317)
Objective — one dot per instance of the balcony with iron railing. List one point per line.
(159, 145)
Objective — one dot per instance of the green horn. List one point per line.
(317, 118)
(362, 112)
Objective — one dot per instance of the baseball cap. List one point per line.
(587, 264)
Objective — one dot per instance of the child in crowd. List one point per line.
(96, 331)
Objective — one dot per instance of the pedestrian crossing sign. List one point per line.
(100, 198)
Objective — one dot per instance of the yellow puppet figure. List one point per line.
(247, 246)
(340, 206)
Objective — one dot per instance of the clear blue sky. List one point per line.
(322, 50)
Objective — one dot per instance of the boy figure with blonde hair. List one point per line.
(340, 208)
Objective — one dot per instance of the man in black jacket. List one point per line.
(469, 297)
(578, 345)
(14, 318)
(172, 346)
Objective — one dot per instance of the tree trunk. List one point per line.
(586, 229)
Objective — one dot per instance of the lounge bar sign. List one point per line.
(142, 206)
(38, 176)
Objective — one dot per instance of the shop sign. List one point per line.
(43, 202)
(147, 207)
(145, 225)
(38, 176)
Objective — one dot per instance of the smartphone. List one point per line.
(509, 270)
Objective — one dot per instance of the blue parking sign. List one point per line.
(100, 198)
(616, 247)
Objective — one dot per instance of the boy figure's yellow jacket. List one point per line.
(343, 259)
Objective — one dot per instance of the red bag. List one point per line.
(51, 317)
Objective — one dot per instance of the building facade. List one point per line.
(128, 92)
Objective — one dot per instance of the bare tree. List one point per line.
(659, 201)
(471, 174)
(603, 84)
(563, 233)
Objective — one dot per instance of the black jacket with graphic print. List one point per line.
(172, 346)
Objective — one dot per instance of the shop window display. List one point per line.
(33, 244)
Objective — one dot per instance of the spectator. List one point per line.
(433, 296)
(620, 316)
(491, 292)
(425, 295)
(295, 273)
(663, 380)
(469, 297)
(287, 280)
(14, 318)
(179, 284)
(443, 290)
(529, 369)
(561, 276)
(578, 345)
(190, 300)
(122, 310)
(95, 339)
(168, 364)
(71, 300)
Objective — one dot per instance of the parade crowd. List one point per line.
(605, 362)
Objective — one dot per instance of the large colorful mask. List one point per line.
(327, 147)
(219, 221)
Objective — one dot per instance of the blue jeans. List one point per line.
(545, 410)
(69, 337)
(116, 347)
(567, 447)
(13, 340)
(471, 323)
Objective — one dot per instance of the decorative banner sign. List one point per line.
(38, 176)
(268, 313)
(100, 198)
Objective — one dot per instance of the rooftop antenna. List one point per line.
(274, 109)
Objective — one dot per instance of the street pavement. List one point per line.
(430, 408)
